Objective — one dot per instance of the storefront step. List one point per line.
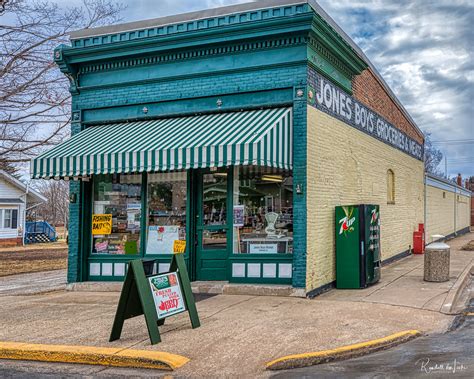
(203, 287)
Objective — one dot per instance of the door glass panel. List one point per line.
(214, 239)
(214, 198)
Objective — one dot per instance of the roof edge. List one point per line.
(19, 184)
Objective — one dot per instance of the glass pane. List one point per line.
(263, 210)
(214, 198)
(214, 239)
(166, 211)
(118, 197)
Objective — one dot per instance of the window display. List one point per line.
(214, 198)
(117, 200)
(263, 211)
(166, 211)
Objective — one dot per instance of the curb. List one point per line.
(104, 356)
(452, 298)
(344, 352)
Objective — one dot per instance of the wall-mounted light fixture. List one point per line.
(299, 189)
(72, 198)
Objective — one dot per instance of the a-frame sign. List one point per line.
(140, 293)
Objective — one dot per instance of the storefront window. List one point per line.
(263, 211)
(116, 214)
(166, 211)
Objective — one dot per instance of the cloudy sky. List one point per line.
(422, 48)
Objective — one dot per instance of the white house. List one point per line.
(15, 198)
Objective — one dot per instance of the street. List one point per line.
(436, 356)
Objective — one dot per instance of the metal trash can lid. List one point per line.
(437, 246)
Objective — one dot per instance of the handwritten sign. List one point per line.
(101, 224)
(179, 247)
(167, 294)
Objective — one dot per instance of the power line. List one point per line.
(466, 142)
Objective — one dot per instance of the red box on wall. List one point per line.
(419, 240)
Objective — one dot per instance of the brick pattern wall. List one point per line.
(10, 242)
(196, 87)
(346, 166)
(440, 212)
(367, 89)
(214, 84)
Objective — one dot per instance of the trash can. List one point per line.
(436, 262)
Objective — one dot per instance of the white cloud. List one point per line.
(423, 49)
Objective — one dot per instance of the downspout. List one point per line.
(455, 211)
(425, 202)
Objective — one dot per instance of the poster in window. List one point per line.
(239, 215)
(101, 224)
(160, 239)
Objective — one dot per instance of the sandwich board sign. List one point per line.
(167, 294)
(155, 296)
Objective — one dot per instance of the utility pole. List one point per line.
(445, 166)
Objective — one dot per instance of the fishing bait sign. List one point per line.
(325, 96)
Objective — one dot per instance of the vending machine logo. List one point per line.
(347, 221)
(375, 216)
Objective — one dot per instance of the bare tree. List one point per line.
(433, 157)
(56, 209)
(34, 94)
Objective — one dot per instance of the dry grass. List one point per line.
(19, 262)
(469, 246)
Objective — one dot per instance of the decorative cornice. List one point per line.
(69, 71)
(331, 40)
(195, 25)
(331, 58)
(196, 53)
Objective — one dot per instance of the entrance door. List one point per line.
(213, 224)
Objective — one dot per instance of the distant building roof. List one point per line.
(34, 195)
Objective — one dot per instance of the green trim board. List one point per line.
(261, 137)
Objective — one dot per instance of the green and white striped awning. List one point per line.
(258, 137)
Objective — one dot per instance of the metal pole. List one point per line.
(445, 166)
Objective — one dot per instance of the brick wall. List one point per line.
(10, 242)
(243, 82)
(368, 90)
(346, 166)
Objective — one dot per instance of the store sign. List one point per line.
(167, 294)
(179, 247)
(101, 224)
(156, 296)
(325, 96)
(263, 248)
(347, 221)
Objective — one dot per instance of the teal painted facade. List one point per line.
(247, 60)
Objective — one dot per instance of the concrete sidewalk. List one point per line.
(402, 283)
(240, 334)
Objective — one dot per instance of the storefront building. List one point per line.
(237, 129)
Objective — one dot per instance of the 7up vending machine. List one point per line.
(357, 245)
